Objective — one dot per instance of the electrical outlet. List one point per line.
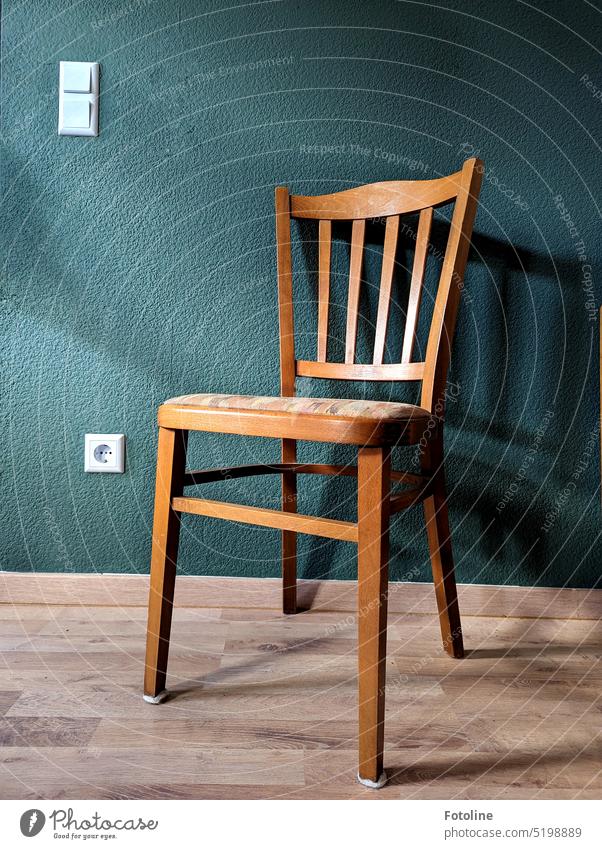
(104, 452)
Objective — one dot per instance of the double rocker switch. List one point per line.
(78, 98)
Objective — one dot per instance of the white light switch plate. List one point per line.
(76, 76)
(104, 452)
(76, 113)
(78, 98)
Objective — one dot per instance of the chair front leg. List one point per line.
(374, 479)
(171, 460)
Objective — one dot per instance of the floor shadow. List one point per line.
(221, 676)
(306, 594)
(577, 649)
(468, 767)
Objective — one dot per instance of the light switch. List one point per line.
(76, 113)
(78, 98)
(76, 76)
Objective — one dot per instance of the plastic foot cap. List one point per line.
(155, 700)
(374, 785)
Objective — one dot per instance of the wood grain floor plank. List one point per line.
(232, 733)
(45, 769)
(8, 698)
(36, 731)
(414, 771)
(96, 613)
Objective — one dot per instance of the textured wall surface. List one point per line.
(141, 264)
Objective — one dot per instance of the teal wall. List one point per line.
(141, 264)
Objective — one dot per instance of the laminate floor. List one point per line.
(264, 706)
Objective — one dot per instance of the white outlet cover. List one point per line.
(104, 452)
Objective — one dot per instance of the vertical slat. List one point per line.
(386, 281)
(358, 232)
(373, 490)
(325, 249)
(285, 292)
(420, 256)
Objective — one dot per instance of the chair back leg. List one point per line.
(374, 476)
(171, 461)
(289, 538)
(442, 560)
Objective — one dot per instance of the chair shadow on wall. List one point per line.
(555, 385)
(507, 351)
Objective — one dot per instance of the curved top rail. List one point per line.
(376, 200)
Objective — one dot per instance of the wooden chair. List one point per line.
(375, 427)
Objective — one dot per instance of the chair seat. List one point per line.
(358, 422)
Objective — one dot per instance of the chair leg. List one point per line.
(442, 563)
(171, 459)
(374, 476)
(289, 538)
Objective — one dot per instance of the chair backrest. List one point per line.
(386, 201)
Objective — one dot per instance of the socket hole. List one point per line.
(101, 453)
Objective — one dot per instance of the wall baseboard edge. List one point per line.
(123, 590)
